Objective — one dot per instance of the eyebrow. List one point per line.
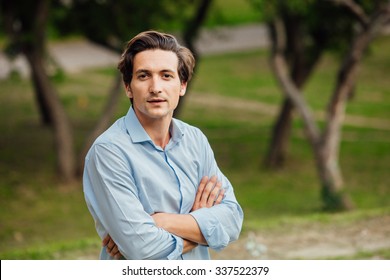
(148, 71)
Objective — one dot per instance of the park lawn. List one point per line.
(42, 219)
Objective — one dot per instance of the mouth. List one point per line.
(156, 100)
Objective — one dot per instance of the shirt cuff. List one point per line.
(216, 236)
(178, 251)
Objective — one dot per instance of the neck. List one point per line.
(158, 130)
(159, 136)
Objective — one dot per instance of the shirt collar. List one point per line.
(176, 132)
(138, 134)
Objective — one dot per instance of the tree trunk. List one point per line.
(326, 159)
(104, 121)
(190, 34)
(326, 146)
(301, 64)
(33, 48)
(332, 192)
(43, 107)
(281, 131)
(328, 166)
(34, 26)
(63, 137)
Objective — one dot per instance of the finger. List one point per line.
(118, 256)
(201, 187)
(220, 197)
(114, 251)
(110, 245)
(198, 196)
(213, 194)
(106, 239)
(207, 190)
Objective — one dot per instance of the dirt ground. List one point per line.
(314, 241)
(367, 238)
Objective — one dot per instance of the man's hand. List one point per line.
(210, 193)
(113, 251)
(112, 248)
(188, 246)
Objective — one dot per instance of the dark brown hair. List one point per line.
(150, 40)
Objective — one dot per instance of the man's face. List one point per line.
(155, 86)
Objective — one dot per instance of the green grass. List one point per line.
(383, 254)
(57, 250)
(256, 81)
(40, 218)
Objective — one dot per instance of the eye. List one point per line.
(142, 76)
(167, 76)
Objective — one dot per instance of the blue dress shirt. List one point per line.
(127, 178)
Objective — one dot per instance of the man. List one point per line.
(151, 181)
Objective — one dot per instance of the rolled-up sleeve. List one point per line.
(220, 224)
(113, 201)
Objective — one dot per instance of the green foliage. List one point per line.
(322, 25)
(272, 8)
(112, 23)
(232, 12)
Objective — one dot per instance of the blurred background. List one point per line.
(294, 97)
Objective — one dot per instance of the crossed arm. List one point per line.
(210, 193)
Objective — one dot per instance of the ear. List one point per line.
(183, 88)
(129, 93)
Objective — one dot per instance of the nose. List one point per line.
(155, 85)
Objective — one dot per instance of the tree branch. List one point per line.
(289, 88)
(347, 75)
(355, 9)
